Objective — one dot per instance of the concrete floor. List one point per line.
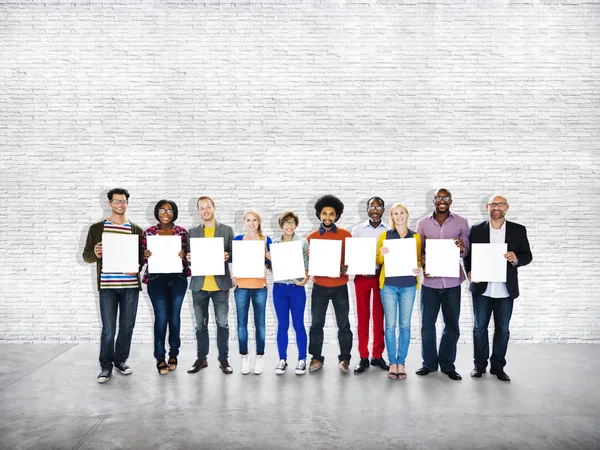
(50, 400)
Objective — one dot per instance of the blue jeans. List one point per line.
(482, 311)
(397, 307)
(431, 300)
(167, 291)
(125, 302)
(290, 298)
(243, 296)
(221, 306)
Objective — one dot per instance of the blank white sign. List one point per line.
(120, 253)
(488, 262)
(287, 260)
(325, 258)
(165, 254)
(360, 255)
(442, 258)
(207, 256)
(401, 258)
(248, 259)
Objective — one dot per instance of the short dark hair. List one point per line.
(173, 205)
(329, 201)
(118, 191)
(442, 189)
(376, 198)
(287, 215)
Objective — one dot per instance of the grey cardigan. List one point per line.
(223, 281)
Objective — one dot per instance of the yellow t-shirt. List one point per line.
(209, 280)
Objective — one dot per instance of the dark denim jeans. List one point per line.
(167, 291)
(482, 311)
(243, 296)
(431, 300)
(125, 302)
(221, 306)
(319, 302)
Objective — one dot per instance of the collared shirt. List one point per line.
(177, 231)
(322, 230)
(338, 234)
(453, 227)
(497, 289)
(295, 237)
(364, 229)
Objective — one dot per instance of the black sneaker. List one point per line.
(104, 376)
(123, 368)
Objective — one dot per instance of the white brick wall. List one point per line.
(273, 104)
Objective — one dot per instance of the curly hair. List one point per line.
(169, 202)
(329, 201)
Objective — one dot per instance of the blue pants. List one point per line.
(398, 307)
(125, 302)
(290, 298)
(431, 300)
(167, 291)
(243, 296)
(482, 311)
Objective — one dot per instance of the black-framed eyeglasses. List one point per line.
(119, 202)
(500, 204)
(375, 208)
(166, 211)
(439, 198)
(290, 222)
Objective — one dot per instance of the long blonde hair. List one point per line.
(394, 206)
(255, 213)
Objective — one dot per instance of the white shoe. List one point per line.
(258, 365)
(280, 369)
(300, 367)
(245, 365)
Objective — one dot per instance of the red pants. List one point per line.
(363, 287)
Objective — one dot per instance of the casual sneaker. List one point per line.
(245, 365)
(315, 365)
(104, 376)
(300, 367)
(258, 365)
(123, 368)
(280, 369)
(344, 366)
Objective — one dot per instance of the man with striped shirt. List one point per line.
(119, 292)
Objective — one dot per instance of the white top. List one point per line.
(496, 289)
(364, 229)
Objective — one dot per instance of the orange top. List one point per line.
(339, 234)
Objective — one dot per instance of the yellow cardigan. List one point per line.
(380, 257)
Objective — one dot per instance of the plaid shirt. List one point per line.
(177, 231)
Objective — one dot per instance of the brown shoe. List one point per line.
(198, 365)
(225, 367)
(344, 366)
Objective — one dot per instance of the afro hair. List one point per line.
(329, 201)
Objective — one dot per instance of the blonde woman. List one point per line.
(253, 290)
(398, 293)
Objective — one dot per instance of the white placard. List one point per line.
(325, 258)
(120, 253)
(248, 259)
(488, 262)
(442, 258)
(207, 256)
(165, 254)
(401, 258)
(360, 255)
(287, 260)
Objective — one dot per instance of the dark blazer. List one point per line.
(226, 232)
(516, 238)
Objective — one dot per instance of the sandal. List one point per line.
(172, 363)
(162, 367)
(392, 375)
(401, 376)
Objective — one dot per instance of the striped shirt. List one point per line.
(117, 280)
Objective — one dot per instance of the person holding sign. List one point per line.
(253, 290)
(289, 296)
(119, 292)
(373, 227)
(496, 297)
(166, 290)
(398, 292)
(441, 291)
(215, 287)
(328, 209)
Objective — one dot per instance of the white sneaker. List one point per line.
(280, 369)
(245, 365)
(300, 367)
(258, 365)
